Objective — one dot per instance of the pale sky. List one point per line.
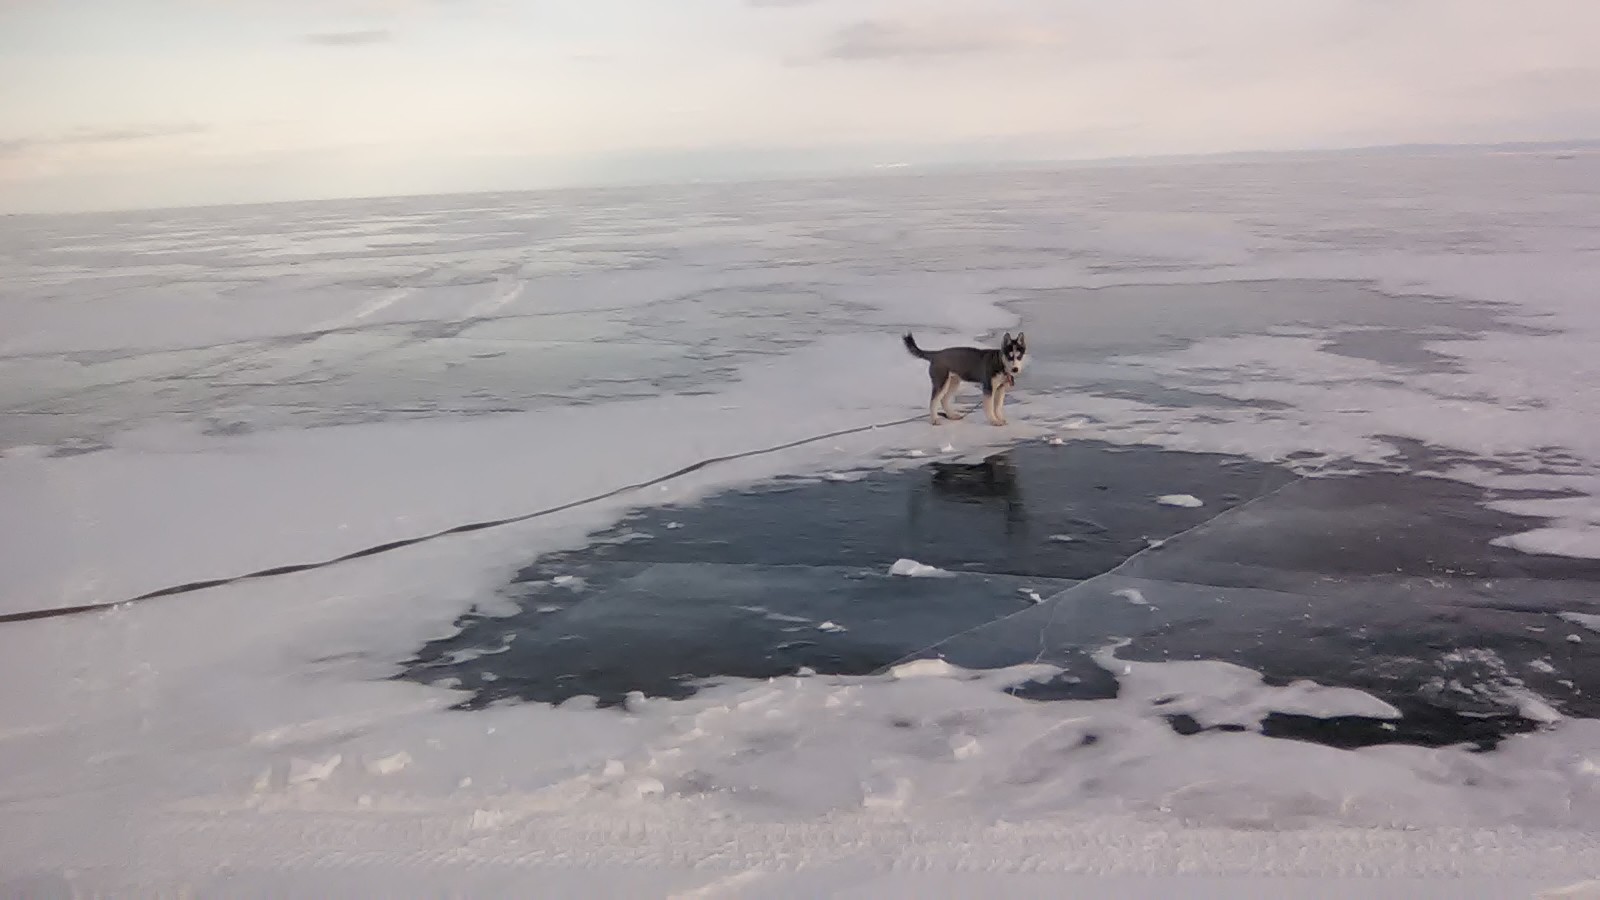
(130, 103)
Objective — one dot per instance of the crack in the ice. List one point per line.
(1055, 600)
(293, 568)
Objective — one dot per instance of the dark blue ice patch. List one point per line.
(667, 628)
(1377, 580)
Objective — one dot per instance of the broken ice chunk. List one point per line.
(910, 568)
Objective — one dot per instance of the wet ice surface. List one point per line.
(1376, 580)
(741, 583)
(1377, 380)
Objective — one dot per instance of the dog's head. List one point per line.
(1014, 351)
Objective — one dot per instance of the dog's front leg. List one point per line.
(989, 408)
(1000, 404)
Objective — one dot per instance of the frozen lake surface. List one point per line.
(1284, 568)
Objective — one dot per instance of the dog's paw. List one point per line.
(956, 417)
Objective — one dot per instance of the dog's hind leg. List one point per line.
(952, 384)
(941, 379)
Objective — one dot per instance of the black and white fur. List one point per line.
(994, 370)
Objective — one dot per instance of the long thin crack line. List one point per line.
(1117, 569)
(1055, 600)
(193, 586)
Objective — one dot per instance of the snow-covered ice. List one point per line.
(1132, 595)
(910, 568)
(189, 395)
(1587, 620)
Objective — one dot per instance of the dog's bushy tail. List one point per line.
(912, 348)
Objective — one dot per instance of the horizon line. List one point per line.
(896, 169)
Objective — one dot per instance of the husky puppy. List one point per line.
(995, 370)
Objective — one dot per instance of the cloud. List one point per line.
(86, 137)
(351, 38)
(119, 135)
(876, 40)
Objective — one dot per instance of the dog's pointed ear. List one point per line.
(1022, 338)
(1005, 340)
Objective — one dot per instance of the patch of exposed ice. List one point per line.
(1587, 620)
(1577, 541)
(1132, 595)
(389, 765)
(1534, 709)
(305, 772)
(1219, 693)
(775, 616)
(923, 668)
(1588, 889)
(910, 568)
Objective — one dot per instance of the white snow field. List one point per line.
(196, 394)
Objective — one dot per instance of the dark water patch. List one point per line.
(998, 515)
(1095, 324)
(1420, 725)
(1405, 640)
(664, 600)
(1074, 332)
(1378, 580)
(1373, 524)
(667, 629)
(1398, 347)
